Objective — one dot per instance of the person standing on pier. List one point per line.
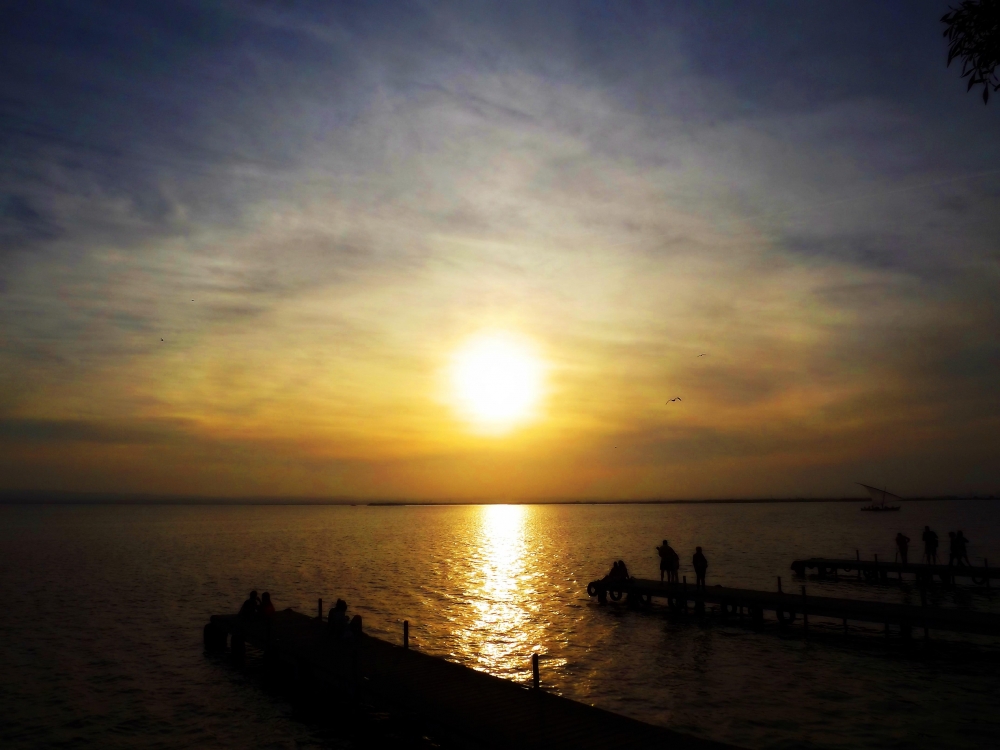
(962, 549)
(930, 545)
(903, 545)
(700, 563)
(670, 561)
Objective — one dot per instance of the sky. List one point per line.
(243, 246)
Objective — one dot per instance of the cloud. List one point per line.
(274, 232)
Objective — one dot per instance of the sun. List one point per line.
(497, 380)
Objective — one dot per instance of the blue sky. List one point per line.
(314, 204)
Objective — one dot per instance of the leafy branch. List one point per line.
(973, 34)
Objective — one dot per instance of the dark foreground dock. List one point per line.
(875, 571)
(474, 708)
(786, 606)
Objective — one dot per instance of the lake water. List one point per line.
(101, 637)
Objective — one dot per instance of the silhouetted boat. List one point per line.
(879, 495)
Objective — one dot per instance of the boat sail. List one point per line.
(879, 496)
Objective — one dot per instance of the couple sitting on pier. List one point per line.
(340, 626)
(254, 607)
(618, 572)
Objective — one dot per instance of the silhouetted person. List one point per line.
(354, 628)
(903, 545)
(962, 549)
(952, 548)
(622, 569)
(266, 608)
(249, 608)
(930, 545)
(700, 563)
(338, 619)
(669, 562)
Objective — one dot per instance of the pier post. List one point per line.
(857, 555)
(779, 584)
(923, 605)
(685, 603)
(406, 634)
(805, 612)
(238, 649)
(319, 609)
(986, 564)
(534, 671)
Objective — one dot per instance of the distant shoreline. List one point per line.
(45, 498)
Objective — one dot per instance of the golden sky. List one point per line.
(246, 266)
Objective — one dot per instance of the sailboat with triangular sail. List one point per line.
(879, 496)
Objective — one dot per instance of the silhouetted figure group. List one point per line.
(340, 625)
(670, 562)
(255, 607)
(619, 571)
(958, 547)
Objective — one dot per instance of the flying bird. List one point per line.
(161, 339)
(700, 355)
(675, 398)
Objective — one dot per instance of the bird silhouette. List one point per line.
(700, 355)
(675, 398)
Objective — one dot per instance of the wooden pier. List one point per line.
(738, 603)
(879, 571)
(474, 708)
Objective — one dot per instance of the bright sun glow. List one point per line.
(497, 380)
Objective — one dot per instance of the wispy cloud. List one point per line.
(265, 238)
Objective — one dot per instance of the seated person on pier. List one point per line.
(355, 626)
(700, 563)
(337, 619)
(622, 569)
(266, 608)
(249, 608)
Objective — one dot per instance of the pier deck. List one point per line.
(874, 570)
(479, 709)
(787, 605)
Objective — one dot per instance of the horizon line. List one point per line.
(97, 498)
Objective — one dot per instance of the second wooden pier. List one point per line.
(875, 570)
(735, 602)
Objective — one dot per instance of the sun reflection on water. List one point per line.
(501, 620)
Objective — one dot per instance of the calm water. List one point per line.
(101, 636)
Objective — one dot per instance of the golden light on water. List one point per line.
(497, 381)
(501, 621)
